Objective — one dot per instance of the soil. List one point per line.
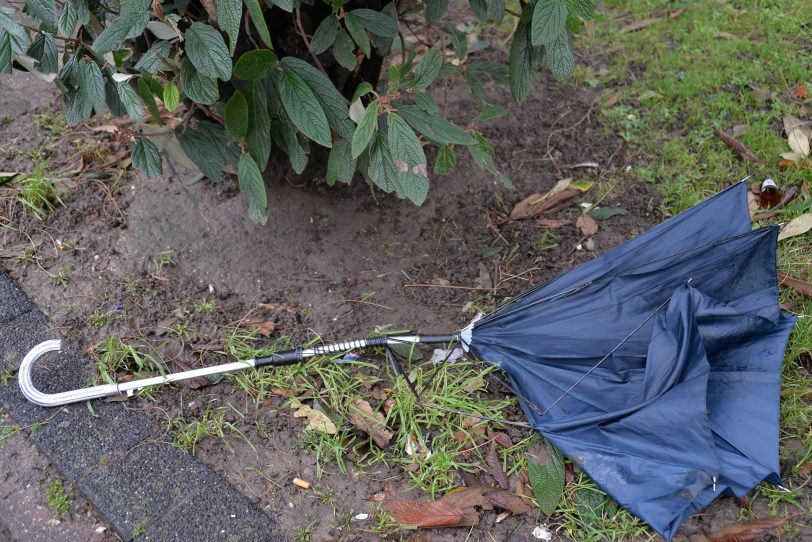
(331, 262)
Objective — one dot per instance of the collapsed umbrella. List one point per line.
(654, 367)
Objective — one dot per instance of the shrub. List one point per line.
(285, 75)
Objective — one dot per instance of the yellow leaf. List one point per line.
(316, 421)
(583, 185)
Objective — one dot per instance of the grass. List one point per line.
(37, 191)
(187, 434)
(58, 497)
(115, 356)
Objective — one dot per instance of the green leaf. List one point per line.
(148, 97)
(171, 96)
(303, 108)
(344, 50)
(382, 166)
(377, 22)
(208, 52)
(18, 36)
(605, 213)
(358, 33)
(560, 59)
(361, 90)
(547, 481)
(383, 44)
(491, 112)
(253, 186)
(325, 34)
(365, 129)
(477, 89)
(255, 13)
(44, 50)
(207, 147)
(68, 19)
(5, 52)
(340, 164)
(284, 136)
(496, 10)
(236, 116)
(549, 17)
(520, 69)
(482, 154)
(229, 16)
(426, 102)
(145, 157)
(255, 65)
(331, 101)
(590, 504)
(393, 79)
(198, 87)
(435, 9)
(445, 161)
(259, 124)
(582, 8)
(434, 127)
(410, 160)
(286, 5)
(153, 60)
(130, 23)
(44, 11)
(129, 100)
(426, 71)
(480, 9)
(459, 40)
(91, 88)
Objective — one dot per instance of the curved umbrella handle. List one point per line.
(53, 399)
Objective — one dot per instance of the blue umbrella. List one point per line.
(656, 368)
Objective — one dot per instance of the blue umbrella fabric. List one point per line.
(656, 368)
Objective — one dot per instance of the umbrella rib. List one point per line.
(604, 358)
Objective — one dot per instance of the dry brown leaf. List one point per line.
(537, 203)
(740, 129)
(507, 501)
(316, 421)
(737, 146)
(500, 438)
(753, 204)
(424, 514)
(378, 497)
(612, 99)
(749, 531)
(676, 13)
(803, 288)
(791, 122)
(370, 422)
(797, 226)
(465, 497)
(587, 225)
(639, 25)
(495, 466)
(192, 383)
(801, 92)
(552, 223)
(264, 328)
(798, 141)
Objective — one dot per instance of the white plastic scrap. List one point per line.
(440, 354)
(542, 533)
(360, 517)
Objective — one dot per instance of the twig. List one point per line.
(342, 301)
(449, 286)
(298, 18)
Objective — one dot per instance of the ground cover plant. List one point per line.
(256, 77)
(657, 94)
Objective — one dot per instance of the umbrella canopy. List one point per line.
(656, 367)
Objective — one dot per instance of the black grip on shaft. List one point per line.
(288, 357)
(438, 339)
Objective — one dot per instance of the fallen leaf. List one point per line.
(500, 438)
(264, 328)
(484, 280)
(545, 468)
(753, 205)
(370, 422)
(507, 501)
(605, 213)
(587, 225)
(552, 223)
(797, 226)
(799, 142)
(740, 129)
(803, 288)
(759, 94)
(805, 469)
(801, 92)
(792, 122)
(582, 185)
(378, 497)
(424, 514)
(549, 203)
(639, 25)
(725, 35)
(612, 100)
(192, 383)
(464, 497)
(535, 204)
(737, 146)
(495, 464)
(749, 531)
(676, 13)
(316, 421)
(787, 164)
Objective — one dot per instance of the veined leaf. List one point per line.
(549, 17)
(434, 127)
(255, 65)
(198, 87)
(426, 71)
(560, 59)
(207, 147)
(459, 40)
(303, 108)
(130, 23)
(44, 50)
(480, 9)
(91, 88)
(68, 19)
(253, 186)
(331, 101)
(520, 70)
(344, 50)
(145, 157)
(236, 116)
(259, 125)
(547, 481)
(496, 10)
(171, 96)
(208, 52)
(153, 60)
(286, 5)
(445, 161)
(229, 16)
(325, 34)
(365, 129)
(383, 44)
(5, 52)
(358, 33)
(382, 166)
(582, 8)
(148, 97)
(426, 102)
(410, 160)
(340, 164)
(18, 36)
(255, 13)
(435, 9)
(284, 136)
(129, 100)
(44, 11)
(377, 22)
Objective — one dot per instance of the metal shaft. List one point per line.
(282, 358)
